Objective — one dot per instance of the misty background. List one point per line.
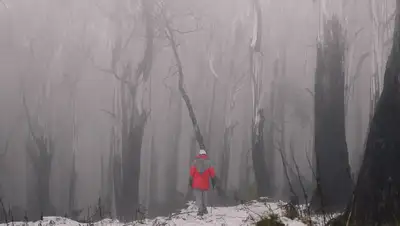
(62, 66)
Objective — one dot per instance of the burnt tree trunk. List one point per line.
(73, 173)
(257, 147)
(376, 199)
(334, 184)
(133, 121)
(40, 150)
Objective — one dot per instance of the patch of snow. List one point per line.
(241, 215)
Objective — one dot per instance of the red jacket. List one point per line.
(201, 171)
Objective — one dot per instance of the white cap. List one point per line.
(202, 152)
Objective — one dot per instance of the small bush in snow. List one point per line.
(270, 220)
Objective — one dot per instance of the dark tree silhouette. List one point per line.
(126, 165)
(40, 150)
(334, 184)
(376, 199)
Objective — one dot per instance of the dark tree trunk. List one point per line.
(260, 170)
(72, 187)
(334, 184)
(133, 123)
(131, 156)
(225, 157)
(269, 147)
(376, 199)
(40, 150)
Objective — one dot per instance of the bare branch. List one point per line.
(211, 66)
(4, 4)
(285, 168)
(357, 74)
(28, 116)
(108, 71)
(187, 31)
(390, 19)
(310, 92)
(358, 32)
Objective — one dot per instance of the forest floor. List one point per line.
(243, 215)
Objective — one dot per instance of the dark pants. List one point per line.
(201, 200)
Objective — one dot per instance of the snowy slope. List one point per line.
(243, 215)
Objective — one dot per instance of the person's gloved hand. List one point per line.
(213, 182)
(190, 181)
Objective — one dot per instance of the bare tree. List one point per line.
(133, 117)
(170, 35)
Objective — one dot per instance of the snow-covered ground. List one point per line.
(246, 214)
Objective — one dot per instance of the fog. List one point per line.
(68, 61)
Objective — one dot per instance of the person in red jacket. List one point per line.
(201, 172)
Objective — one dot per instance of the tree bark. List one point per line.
(127, 166)
(333, 178)
(40, 150)
(375, 200)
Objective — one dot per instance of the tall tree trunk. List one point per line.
(334, 183)
(175, 118)
(40, 149)
(210, 114)
(153, 175)
(230, 103)
(359, 138)
(376, 57)
(376, 200)
(133, 121)
(73, 174)
(257, 138)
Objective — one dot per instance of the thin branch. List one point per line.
(285, 168)
(310, 92)
(28, 116)
(350, 86)
(108, 71)
(187, 31)
(113, 115)
(4, 4)
(389, 20)
(211, 66)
